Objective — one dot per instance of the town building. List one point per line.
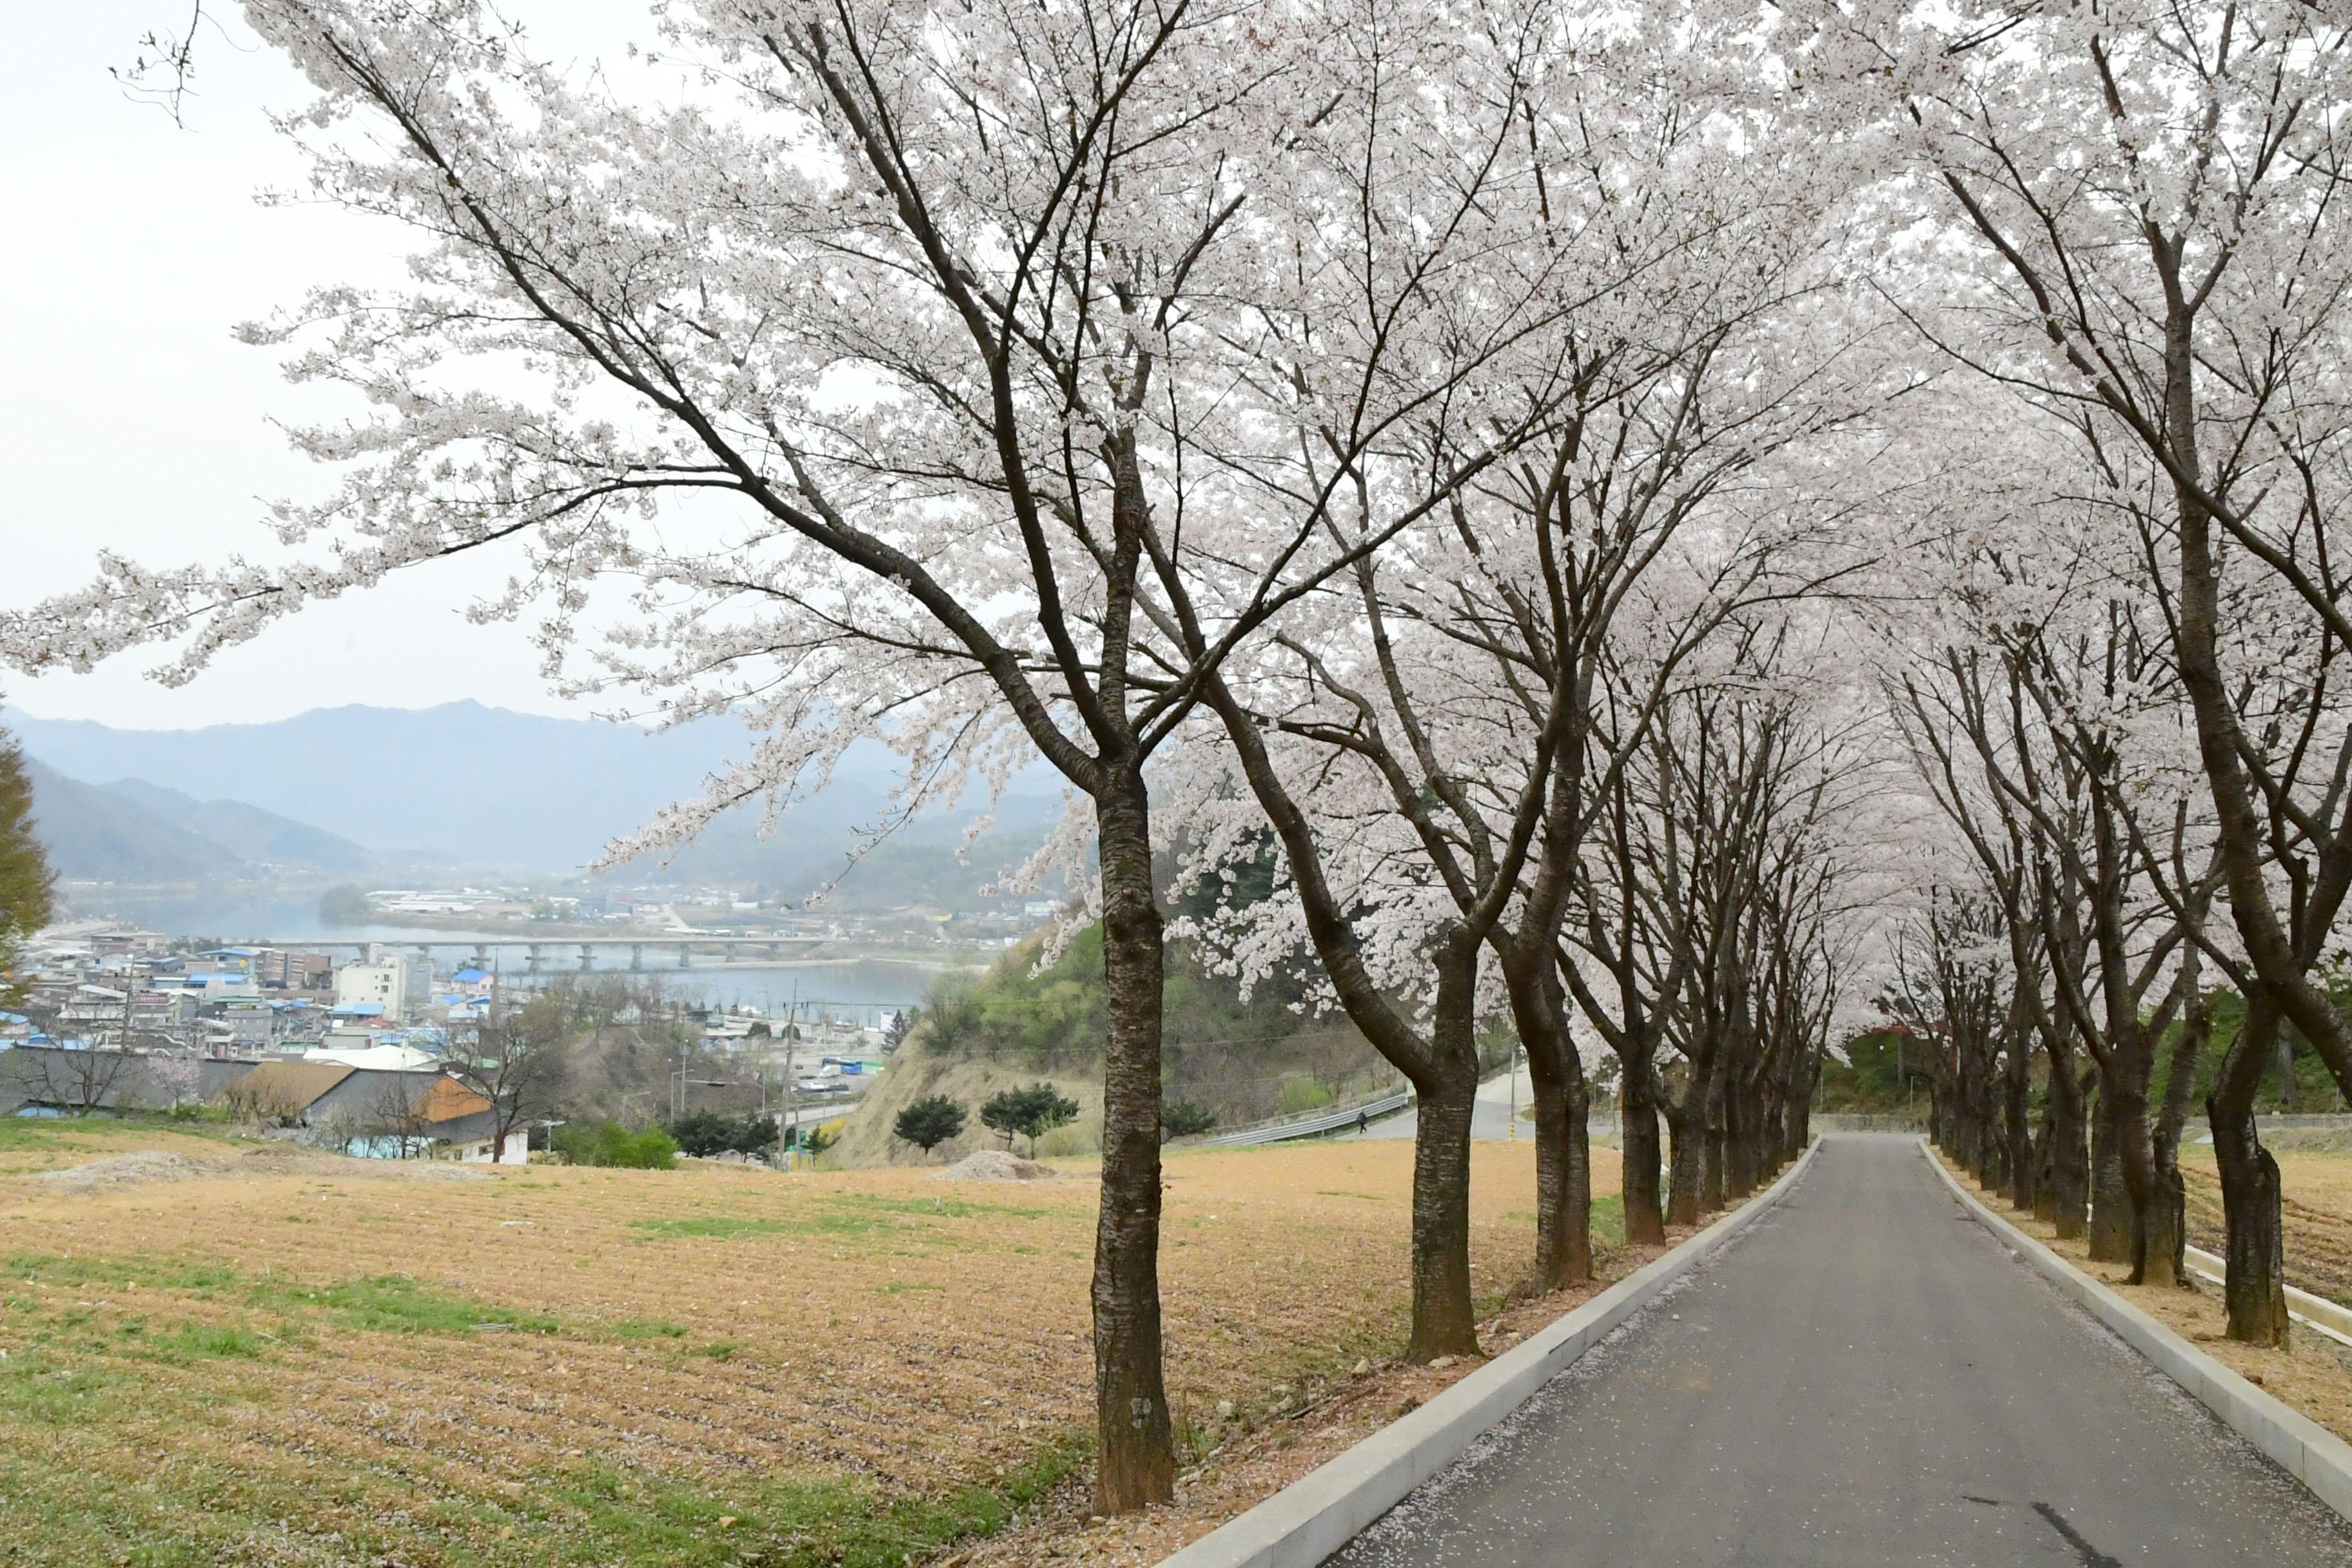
(391, 980)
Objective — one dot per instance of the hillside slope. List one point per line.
(246, 831)
(1240, 1060)
(866, 1141)
(134, 831)
(94, 835)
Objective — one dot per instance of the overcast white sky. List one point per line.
(130, 420)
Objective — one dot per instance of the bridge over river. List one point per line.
(678, 946)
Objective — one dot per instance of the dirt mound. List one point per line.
(996, 1165)
(131, 1170)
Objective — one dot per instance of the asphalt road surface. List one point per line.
(1490, 1117)
(1866, 1377)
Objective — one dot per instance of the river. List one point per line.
(862, 988)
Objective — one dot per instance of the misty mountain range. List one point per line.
(360, 790)
(134, 831)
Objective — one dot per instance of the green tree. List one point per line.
(1184, 1119)
(27, 883)
(930, 1122)
(1030, 1113)
(346, 905)
(610, 1144)
(703, 1133)
(756, 1134)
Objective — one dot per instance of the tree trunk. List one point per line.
(1138, 1463)
(1563, 1178)
(2017, 1124)
(2111, 1206)
(1686, 1165)
(1796, 1114)
(1646, 1225)
(1563, 1102)
(2158, 1209)
(1564, 1249)
(2254, 1280)
(2070, 1162)
(1710, 1179)
(2170, 1231)
(1740, 1133)
(2045, 1145)
(1443, 1322)
(1992, 1174)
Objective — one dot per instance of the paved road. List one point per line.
(1490, 1117)
(1866, 1377)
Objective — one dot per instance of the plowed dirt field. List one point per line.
(214, 1354)
(2316, 1201)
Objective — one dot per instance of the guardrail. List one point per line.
(1309, 1127)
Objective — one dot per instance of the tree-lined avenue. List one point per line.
(1866, 1378)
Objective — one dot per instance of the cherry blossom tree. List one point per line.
(1425, 749)
(2143, 201)
(900, 371)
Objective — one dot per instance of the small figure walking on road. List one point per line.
(1364, 1123)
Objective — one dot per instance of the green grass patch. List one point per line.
(1608, 1219)
(207, 1342)
(47, 1388)
(824, 1524)
(394, 1303)
(197, 1509)
(646, 1329)
(929, 1208)
(711, 1224)
(390, 1303)
(21, 1133)
(104, 1463)
(838, 1215)
(200, 1280)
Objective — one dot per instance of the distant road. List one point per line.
(1866, 1378)
(1489, 1118)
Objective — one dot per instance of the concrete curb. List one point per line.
(2302, 1447)
(1313, 1517)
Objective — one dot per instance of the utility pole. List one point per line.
(791, 1127)
(1513, 1135)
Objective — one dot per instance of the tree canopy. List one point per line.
(27, 883)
